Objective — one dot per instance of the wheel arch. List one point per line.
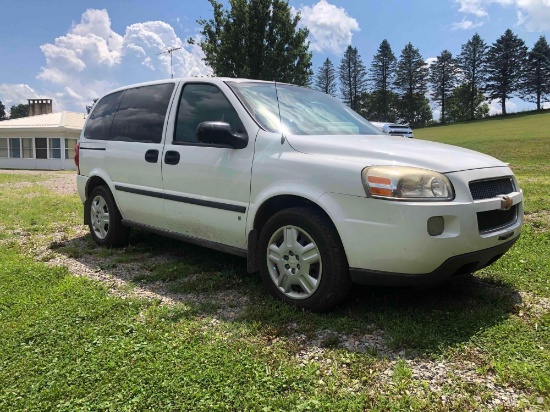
(95, 180)
(270, 207)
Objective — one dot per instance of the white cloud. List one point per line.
(474, 7)
(144, 42)
(13, 94)
(534, 15)
(465, 24)
(92, 59)
(330, 27)
(431, 60)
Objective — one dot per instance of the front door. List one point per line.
(207, 188)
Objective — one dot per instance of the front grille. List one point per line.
(496, 219)
(486, 189)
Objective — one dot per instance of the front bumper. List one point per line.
(384, 237)
(452, 267)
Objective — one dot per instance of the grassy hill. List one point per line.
(523, 140)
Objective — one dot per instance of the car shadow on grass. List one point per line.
(410, 321)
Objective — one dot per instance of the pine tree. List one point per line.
(443, 79)
(325, 80)
(353, 75)
(472, 63)
(411, 83)
(257, 39)
(536, 87)
(382, 74)
(506, 61)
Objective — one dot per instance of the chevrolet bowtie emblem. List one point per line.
(506, 202)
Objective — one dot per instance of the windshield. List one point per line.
(303, 111)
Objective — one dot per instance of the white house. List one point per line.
(43, 141)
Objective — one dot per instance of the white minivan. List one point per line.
(313, 195)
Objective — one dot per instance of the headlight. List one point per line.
(406, 183)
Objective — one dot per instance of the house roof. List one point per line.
(67, 120)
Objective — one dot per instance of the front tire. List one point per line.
(105, 219)
(302, 260)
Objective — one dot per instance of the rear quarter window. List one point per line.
(141, 114)
(100, 120)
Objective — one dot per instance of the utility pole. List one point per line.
(170, 51)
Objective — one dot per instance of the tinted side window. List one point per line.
(141, 113)
(201, 103)
(101, 118)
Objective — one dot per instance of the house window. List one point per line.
(69, 148)
(55, 148)
(15, 148)
(48, 148)
(41, 147)
(3, 147)
(26, 144)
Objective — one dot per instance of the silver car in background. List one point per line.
(394, 129)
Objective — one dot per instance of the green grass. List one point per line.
(35, 209)
(9, 179)
(69, 344)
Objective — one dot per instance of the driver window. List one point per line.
(199, 103)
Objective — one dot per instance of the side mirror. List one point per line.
(219, 133)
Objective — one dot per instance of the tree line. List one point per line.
(263, 39)
(16, 111)
(395, 89)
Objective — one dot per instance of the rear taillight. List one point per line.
(76, 159)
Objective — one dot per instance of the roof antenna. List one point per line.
(279, 109)
(170, 51)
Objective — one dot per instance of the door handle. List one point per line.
(152, 156)
(171, 157)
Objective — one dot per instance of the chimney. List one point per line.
(39, 106)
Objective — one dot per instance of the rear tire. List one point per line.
(302, 261)
(105, 219)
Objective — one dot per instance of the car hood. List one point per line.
(388, 150)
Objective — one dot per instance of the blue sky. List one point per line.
(73, 51)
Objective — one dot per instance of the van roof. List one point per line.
(214, 80)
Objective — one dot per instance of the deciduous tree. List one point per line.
(506, 61)
(90, 107)
(257, 39)
(20, 110)
(459, 106)
(374, 107)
